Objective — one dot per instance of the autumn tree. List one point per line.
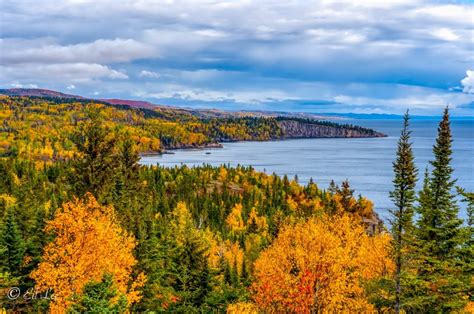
(403, 197)
(234, 220)
(88, 244)
(320, 266)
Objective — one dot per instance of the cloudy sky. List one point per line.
(364, 56)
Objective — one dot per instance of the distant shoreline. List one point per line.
(211, 146)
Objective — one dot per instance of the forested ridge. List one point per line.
(51, 121)
(84, 228)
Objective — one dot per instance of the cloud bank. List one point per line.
(320, 56)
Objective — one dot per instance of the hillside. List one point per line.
(305, 128)
(80, 212)
(77, 204)
(28, 123)
(140, 104)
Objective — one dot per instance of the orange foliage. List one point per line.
(242, 308)
(88, 244)
(320, 266)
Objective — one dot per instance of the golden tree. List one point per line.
(320, 266)
(235, 220)
(88, 244)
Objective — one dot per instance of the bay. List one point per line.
(365, 162)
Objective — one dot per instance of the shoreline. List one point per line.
(219, 145)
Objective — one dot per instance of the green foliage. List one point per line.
(95, 165)
(442, 280)
(403, 197)
(100, 297)
(12, 246)
(195, 260)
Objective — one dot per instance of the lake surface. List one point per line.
(366, 163)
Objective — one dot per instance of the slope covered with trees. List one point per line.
(85, 228)
(42, 127)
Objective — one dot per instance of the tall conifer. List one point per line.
(440, 233)
(403, 197)
(12, 246)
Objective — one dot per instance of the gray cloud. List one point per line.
(99, 51)
(244, 51)
(70, 72)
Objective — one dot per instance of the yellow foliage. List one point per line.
(292, 204)
(181, 222)
(242, 308)
(88, 243)
(235, 220)
(320, 266)
(7, 200)
(216, 248)
(259, 221)
(234, 256)
(222, 174)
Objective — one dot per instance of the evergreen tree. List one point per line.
(403, 197)
(12, 246)
(157, 258)
(96, 163)
(468, 198)
(468, 247)
(347, 196)
(440, 233)
(192, 277)
(100, 298)
(332, 187)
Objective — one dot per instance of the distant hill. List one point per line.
(201, 113)
(131, 103)
(37, 92)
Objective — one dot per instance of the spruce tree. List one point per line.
(12, 246)
(193, 276)
(403, 197)
(96, 164)
(100, 297)
(440, 235)
(468, 247)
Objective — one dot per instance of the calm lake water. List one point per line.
(366, 163)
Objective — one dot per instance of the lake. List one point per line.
(365, 162)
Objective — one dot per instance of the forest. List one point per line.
(85, 228)
(42, 128)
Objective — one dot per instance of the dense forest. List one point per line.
(42, 128)
(84, 228)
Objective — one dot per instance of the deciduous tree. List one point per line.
(88, 244)
(320, 266)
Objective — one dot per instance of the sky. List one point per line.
(364, 56)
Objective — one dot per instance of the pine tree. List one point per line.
(440, 233)
(403, 196)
